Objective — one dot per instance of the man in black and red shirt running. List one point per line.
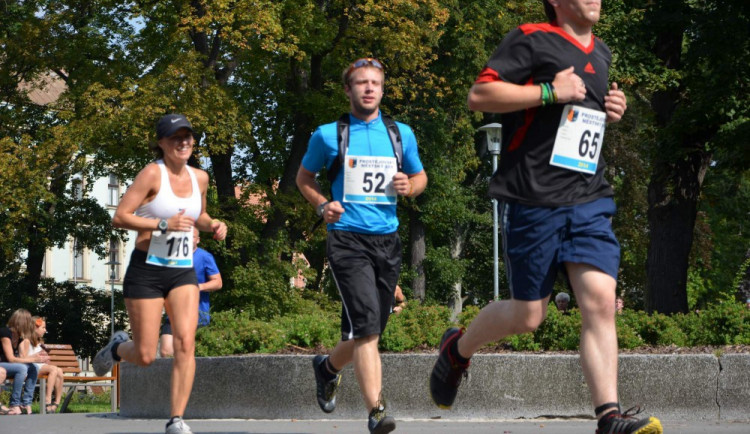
(550, 81)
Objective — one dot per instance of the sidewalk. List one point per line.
(107, 423)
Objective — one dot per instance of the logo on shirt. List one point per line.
(573, 115)
(352, 163)
(589, 69)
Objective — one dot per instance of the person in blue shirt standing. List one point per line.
(363, 246)
(209, 280)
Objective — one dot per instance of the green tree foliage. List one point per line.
(256, 77)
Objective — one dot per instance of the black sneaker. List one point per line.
(326, 390)
(447, 373)
(378, 422)
(626, 423)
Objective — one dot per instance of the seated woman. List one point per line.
(54, 373)
(22, 369)
(3, 408)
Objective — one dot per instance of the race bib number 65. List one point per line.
(579, 139)
(369, 180)
(173, 249)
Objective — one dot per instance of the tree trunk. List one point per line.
(417, 253)
(743, 288)
(456, 301)
(673, 195)
(299, 84)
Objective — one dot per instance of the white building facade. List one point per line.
(83, 265)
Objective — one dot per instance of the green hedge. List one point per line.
(420, 327)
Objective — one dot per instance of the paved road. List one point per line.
(104, 423)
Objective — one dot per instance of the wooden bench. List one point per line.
(63, 356)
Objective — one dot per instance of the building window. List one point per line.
(113, 189)
(76, 188)
(79, 265)
(114, 256)
(44, 266)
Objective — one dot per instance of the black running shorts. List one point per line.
(365, 268)
(144, 280)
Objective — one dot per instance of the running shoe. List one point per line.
(626, 423)
(378, 422)
(103, 360)
(326, 389)
(447, 373)
(178, 426)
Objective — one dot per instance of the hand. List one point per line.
(569, 86)
(615, 103)
(219, 228)
(402, 184)
(180, 222)
(332, 212)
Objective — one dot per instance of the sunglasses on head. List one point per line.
(365, 61)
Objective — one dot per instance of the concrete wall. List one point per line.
(502, 386)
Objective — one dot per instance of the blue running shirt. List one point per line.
(366, 139)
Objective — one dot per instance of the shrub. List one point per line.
(523, 342)
(726, 323)
(421, 326)
(415, 326)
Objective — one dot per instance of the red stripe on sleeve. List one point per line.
(487, 75)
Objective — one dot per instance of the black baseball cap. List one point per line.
(170, 124)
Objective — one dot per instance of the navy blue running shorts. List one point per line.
(144, 280)
(537, 241)
(365, 268)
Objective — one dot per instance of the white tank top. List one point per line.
(166, 203)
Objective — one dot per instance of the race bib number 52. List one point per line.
(173, 249)
(369, 180)
(579, 139)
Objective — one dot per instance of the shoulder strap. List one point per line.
(342, 137)
(395, 136)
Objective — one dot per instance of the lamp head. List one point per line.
(494, 133)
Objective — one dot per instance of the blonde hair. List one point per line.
(37, 340)
(22, 324)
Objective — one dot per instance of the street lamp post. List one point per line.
(494, 133)
(112, 277)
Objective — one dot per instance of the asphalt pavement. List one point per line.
(108, 423)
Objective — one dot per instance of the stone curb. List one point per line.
(500, 386)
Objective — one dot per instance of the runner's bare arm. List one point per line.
(504, 97)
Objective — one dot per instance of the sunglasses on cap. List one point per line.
(365, 61)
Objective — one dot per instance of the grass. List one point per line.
(80, 402)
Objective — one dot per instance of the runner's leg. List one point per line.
(145, 319)
(182, 308)
(595, 294)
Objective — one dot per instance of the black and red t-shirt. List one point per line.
(529, 55)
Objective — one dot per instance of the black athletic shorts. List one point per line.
(365, 269)
(144, 280)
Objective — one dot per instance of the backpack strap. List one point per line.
(342, 137)
(395, 135)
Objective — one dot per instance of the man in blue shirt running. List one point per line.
(363, 246)
(209, 280)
